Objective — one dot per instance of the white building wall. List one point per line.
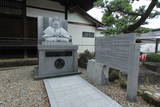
(98, 33)
(77, 39)
(75, 17)
(76, 30)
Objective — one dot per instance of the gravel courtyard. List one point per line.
(19, 89)
(117, 93)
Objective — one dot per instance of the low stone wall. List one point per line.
(150, 95)
(18, 62)
(155, 66)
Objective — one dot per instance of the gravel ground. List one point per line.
(117, 93)
(148, 77)
(19, 89)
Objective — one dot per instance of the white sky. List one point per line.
(153, 23)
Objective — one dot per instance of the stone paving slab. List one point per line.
(73, 91)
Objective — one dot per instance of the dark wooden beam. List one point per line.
(24, 19)
(66, 9)
(24, 8)
(12, 7)
(78, 23)
(84, 4)
(25, 34)
(53, 10)
(156, 48)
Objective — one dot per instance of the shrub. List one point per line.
(153, 57)
(118, 77)
(113, 75)
(123, 84)
(84, 57)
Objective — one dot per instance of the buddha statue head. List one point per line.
(55, 24)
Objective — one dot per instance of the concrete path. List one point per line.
(73, 91)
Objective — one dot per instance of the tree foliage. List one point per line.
(120, 17)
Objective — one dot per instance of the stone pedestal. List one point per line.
(56, 60)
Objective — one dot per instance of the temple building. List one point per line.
(18, 24)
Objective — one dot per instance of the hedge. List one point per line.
(153, 57)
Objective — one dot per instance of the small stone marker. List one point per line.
(97, 72)
(120, 52)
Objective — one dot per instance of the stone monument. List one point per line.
(57, 55)
(120, 52)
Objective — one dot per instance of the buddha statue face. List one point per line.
(56, 24)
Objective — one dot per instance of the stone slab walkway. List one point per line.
(73, 91)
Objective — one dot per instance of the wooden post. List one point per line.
(24, 28)
(66, 9)
(156, 48)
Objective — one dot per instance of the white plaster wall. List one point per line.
(46, 4)
(98, 33)
(77, 39)
(76, 32)
(75, 17)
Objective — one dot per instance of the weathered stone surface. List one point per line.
(151, 98)
(121, 52)
(115, 51)
(97, 72)
(156, 96)
(53, 53)
(158, 70)
(150, 95)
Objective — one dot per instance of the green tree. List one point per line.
(120, 17)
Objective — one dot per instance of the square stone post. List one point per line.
(132, 83)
